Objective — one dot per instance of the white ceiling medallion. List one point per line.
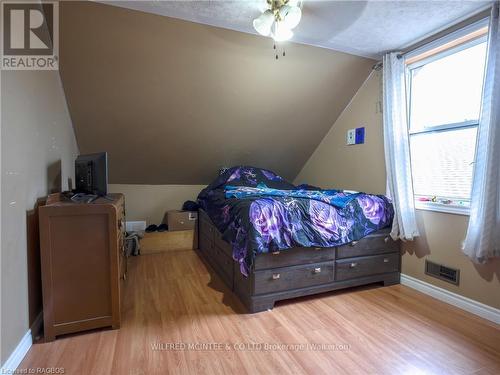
(279, 20)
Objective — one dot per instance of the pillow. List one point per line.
(245, 176)
(252, 176)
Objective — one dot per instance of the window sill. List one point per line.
(439, 207)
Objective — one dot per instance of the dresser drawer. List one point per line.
(377, 243)
(297, 255)
(366, 266)
(287, 278)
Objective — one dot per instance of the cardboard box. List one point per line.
(181, 220)
(159, 242)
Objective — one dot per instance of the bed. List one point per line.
(270, 240)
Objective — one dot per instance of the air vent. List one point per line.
(444, 273)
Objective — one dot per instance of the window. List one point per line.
(444, 104)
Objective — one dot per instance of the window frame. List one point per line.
(460, 209)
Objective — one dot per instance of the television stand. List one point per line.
(83, 264)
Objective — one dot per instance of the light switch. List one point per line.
(360, 135)
(351, 137)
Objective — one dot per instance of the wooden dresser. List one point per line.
(82, 263)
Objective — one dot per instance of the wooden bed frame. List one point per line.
(301, 271)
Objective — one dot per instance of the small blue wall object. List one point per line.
(360, 135)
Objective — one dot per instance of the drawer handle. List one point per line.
(318, 248)
(352, 265)
(276, 276)
(353, 243)
(317, 270)
(386, 260)
(275, 252)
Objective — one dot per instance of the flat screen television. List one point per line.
(91, 174)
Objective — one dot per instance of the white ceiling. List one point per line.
(364, 28)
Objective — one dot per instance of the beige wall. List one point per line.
(172, 101)
(38, 149)
(356, 167)
(362, 167)
(149, 202)
(440, 238)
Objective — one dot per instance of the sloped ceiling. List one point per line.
(171, 101)
(360, 27)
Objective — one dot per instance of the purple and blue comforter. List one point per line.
(257, 212)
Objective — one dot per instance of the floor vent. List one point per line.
(444, 273)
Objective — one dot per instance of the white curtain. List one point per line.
(483, 234)
(397, 148)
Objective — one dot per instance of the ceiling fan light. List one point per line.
(264, 22)
(281, 32)
(291, 15)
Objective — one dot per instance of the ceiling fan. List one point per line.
(279, 19)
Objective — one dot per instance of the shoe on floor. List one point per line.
(152, 228)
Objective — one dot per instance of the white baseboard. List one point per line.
(464, 303)
(16, 357)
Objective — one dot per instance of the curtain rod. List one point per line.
(485, 13)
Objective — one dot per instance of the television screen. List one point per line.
(91, 174)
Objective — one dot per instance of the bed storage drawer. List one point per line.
(275, 280)
(223, 265)
(377, 243)
(297, 255)
(204, 243)
(220, 262)
(206, 228)
(208, 253)
(351, 268)
(223, 245)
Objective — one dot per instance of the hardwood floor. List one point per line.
(172, 298)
